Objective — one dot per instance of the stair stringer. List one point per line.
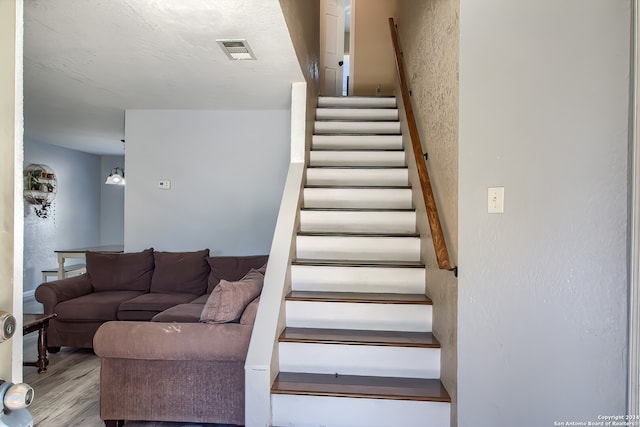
(261, 365)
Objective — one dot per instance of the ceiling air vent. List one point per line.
(236, 49)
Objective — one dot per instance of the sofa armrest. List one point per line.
(172, 341)
(52, 293)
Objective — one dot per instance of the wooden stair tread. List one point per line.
(359, 337)
(362, 187)
(352, 263)
(358, 297)
(358, 149)
(357, 210)
(360, 386)
(358, 167)
(354, 234)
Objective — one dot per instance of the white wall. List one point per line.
(543, 287)
(111, 204)
(227, 171)
(75, 218)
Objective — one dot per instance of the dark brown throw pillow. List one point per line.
(229, 299)
(232, 268)
(120, 272)
(180, 272)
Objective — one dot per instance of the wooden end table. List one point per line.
(40, 323)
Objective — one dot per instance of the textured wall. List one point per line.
(429, 35)
(371, 53)
(227, 172)
(303, 23)
(75, 218)
(544, 100)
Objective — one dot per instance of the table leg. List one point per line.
(42, 349)
(61, 274)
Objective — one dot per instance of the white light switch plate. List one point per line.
(164, 184)
(495, 200)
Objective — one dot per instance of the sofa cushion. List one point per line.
(249, 314)
(229, 299)
(94, 307)
(182, 313)
(180, 272)
(232, 268)
(120, 272)
(202, 299)
(151, 303)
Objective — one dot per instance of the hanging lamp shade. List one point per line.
(116, 177)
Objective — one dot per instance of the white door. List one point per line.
(331, 46)
(10, 133)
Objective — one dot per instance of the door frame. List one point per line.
(633, 380)
(12, 207)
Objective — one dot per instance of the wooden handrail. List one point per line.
(439, 243)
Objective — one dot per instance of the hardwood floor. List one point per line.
(68, 394)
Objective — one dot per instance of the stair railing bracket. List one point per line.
(454, 270)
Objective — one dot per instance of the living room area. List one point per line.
(206, 137)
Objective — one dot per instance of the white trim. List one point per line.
(633, 384)
(18, 208)
(261, 366)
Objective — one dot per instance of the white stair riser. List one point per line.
(358, 221)
(357, 127)
(358, 279)
(363, 114)
(344, 142)
(382, 198)
(357, 158)
(358, 177)
(356, 102)
(327, 411)
(364, 316)
(358, 248)
(370, 360)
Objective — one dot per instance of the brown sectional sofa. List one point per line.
(141, 314)
(135, 286)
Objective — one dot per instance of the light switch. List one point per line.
(164, 184)
(495, 200)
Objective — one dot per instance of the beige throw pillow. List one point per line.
(229, 299)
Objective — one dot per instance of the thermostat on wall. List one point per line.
(164, 184)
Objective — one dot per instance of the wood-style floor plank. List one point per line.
(359, 337)
(360, 386)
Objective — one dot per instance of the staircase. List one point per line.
(358, 349)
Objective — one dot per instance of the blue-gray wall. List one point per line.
(111, 204)
(227, 172)
(75, 218)
(542, 308)
(86, 211)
